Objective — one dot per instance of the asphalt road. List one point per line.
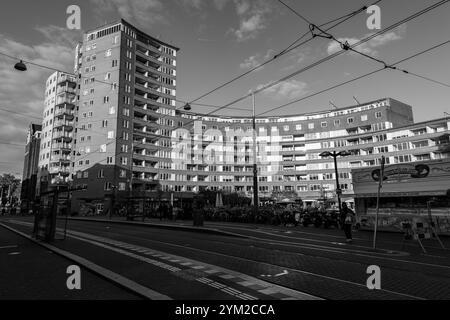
(266, 263)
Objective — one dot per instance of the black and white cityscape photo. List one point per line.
(228, 158)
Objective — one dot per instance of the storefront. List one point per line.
(409, 190)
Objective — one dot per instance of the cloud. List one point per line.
(253, 61)
(23, 92)
(220, 4)
(290, 89)
(370, 46)
(253, 17)
(141, 12)
(60, 35)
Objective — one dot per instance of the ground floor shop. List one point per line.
(410, 191)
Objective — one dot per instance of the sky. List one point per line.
(221, 39)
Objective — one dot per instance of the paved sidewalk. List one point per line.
(30, 272)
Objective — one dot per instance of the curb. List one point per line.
(163, 226)
(104, 273)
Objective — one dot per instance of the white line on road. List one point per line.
(9, 247)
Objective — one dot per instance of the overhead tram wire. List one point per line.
(288, 77)
(288, 49)
(355, 79)
(347, 82)
(393, 26)
(335, 86)
(20, 113)
(346, 46)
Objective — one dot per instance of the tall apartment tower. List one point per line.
(127, 92)
(30, 167)
(57, 130)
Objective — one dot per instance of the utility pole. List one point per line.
(255, 167)
(380, 185)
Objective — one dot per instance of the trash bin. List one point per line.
(198, 218)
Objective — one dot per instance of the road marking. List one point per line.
(292, 269)
(9, 247)
(285, 272)
(286, 292)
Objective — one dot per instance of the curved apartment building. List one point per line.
(131, 142)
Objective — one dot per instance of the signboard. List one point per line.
(405, 171)
(431, 178)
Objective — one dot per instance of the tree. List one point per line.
(10, 185)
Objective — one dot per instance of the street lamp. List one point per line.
(20, 66)
(335, 154)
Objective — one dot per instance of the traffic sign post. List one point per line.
(380, 185)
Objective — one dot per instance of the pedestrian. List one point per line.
(349, 218)
(297, 218)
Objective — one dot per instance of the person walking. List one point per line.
(348, 218)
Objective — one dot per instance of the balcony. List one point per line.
(62, 135)
(64, 112)
(60, 170)
(60, 158)
(66, 99)
(67, 80)
(64, 147)
(66, 125)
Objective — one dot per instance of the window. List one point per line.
(364, 117)
(298, 127)
(122, 186)
(378, 115)
(106, 99)
(110, 134)
(109, 160)
(100, 174)
(103, 148)
(401, 146)
(108, 53)
(124, 161)
(126, 112)
(350, 120)
(311, 126)
(324, 124)
(123, 174)
(112, 110)
(286, 128)
(108, 76)
(104, 123)
(402, 159)
(108, 186)
(114, 63)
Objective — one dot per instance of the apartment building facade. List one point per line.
(57, 130)
(127, 89)
(30, 167)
